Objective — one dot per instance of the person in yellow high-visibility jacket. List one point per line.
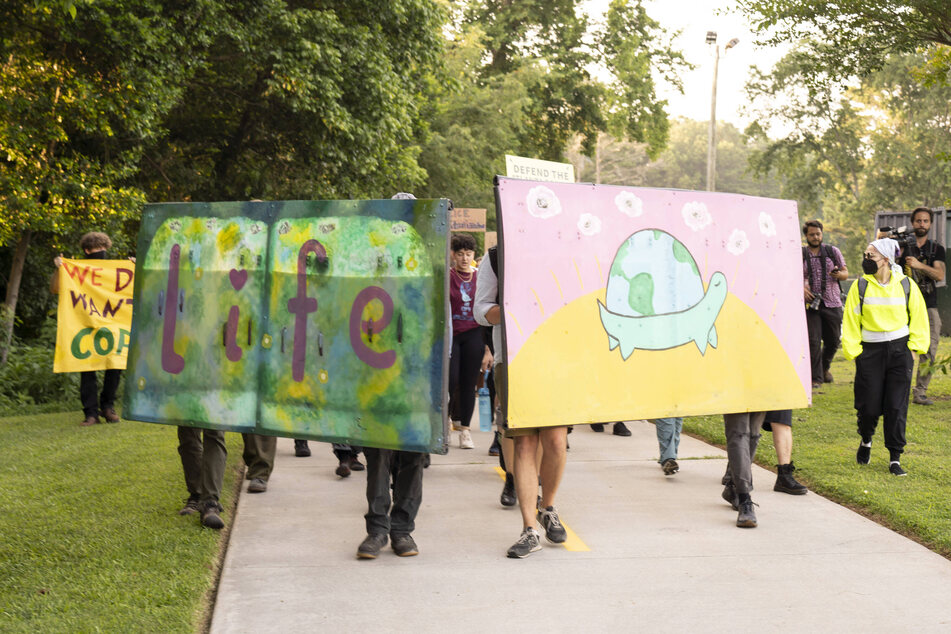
(881, 331)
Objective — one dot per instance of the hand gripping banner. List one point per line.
(309, 319)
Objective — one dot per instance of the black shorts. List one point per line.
(780, 417)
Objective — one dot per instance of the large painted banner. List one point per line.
(311, 319)
(94, 315)
(624, 303)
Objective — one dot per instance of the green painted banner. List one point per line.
(308, 319)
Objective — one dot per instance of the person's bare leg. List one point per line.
(554, 440)
(508, 453)
(782, 440)
(526, 477)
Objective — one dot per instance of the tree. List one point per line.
(564, 45)
(82, 87)
(858, 35)
(303, 100)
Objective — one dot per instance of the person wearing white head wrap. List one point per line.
(885, 321)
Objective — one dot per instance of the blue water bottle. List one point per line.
(485, 405)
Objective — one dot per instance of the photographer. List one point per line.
(822, 268)
(923, 262)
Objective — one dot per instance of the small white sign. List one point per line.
(538, 170)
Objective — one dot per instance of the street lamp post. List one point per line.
(712, 135)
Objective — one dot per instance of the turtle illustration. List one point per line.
(655, 298)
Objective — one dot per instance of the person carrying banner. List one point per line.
(742, 437)
(94, 244)
(885, 321)
(554, 440)
(822, 268)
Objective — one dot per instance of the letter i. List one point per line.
(172, 362)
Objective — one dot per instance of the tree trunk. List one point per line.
(9, 307)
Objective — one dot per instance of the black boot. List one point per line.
(786, 483)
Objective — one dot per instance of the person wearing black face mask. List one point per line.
(822, 268)
(885, 322)
(925, 265)
(94, 244)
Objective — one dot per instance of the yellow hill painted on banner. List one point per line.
(566, 374)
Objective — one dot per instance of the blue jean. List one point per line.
(668, 436)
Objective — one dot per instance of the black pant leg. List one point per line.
(814, 326)
(407, 492)
(868, 388)
(110, 384)
(455, 358)
(897, 383)
(88, 388)
(378, 490)
(470, 364)
(831, 334)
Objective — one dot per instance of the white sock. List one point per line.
(867, 444)
(893, 462)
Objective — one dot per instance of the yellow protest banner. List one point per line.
(94, 315)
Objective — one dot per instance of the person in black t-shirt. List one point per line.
(925, 265)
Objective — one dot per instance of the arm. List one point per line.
(935, 272)
(54, 279)
(919, 338)
(484, 308)
(852, 324)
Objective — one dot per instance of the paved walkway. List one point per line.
(652, 553)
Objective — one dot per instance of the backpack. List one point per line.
(905, 286)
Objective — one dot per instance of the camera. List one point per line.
(906, 239)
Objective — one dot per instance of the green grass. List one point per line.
(90, 537)
(824, 444)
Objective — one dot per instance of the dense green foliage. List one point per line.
(851, 151)
(858, 36)
(824, 444)
(90, 537)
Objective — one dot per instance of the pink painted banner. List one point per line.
(625, 302)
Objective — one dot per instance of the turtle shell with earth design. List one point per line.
(655, 298)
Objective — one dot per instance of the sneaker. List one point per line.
(90, 420)
(455, 425)
(508, 491)
(620, 429)
(816, 385)
(343, 469)
(403, 545)
(527, 544)
(370, 547)
(670, 467)
(922, 400)
(554, 531)
(827, 377)
(465, 439)
(110, 415)
(356, 465)
(863, 455)
(896, 470)
(495, 447)
(729, 494)
(301, 450)
(746, 517)
(426, 461)
(598, 427)
(257, 485)
(191, 506)
(210, 516)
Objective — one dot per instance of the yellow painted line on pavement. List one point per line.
(573, 543)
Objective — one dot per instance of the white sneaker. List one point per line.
(455, 425)
(465, 439)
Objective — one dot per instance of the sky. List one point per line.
(694, 18)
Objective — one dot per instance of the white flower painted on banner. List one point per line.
(696, 215)
(629, 204)
(738, 242)
(766, 224)
(542, 202)
(589, 224)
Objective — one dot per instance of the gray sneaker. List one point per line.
(670, 467)
(554, 531)
(526, 545)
